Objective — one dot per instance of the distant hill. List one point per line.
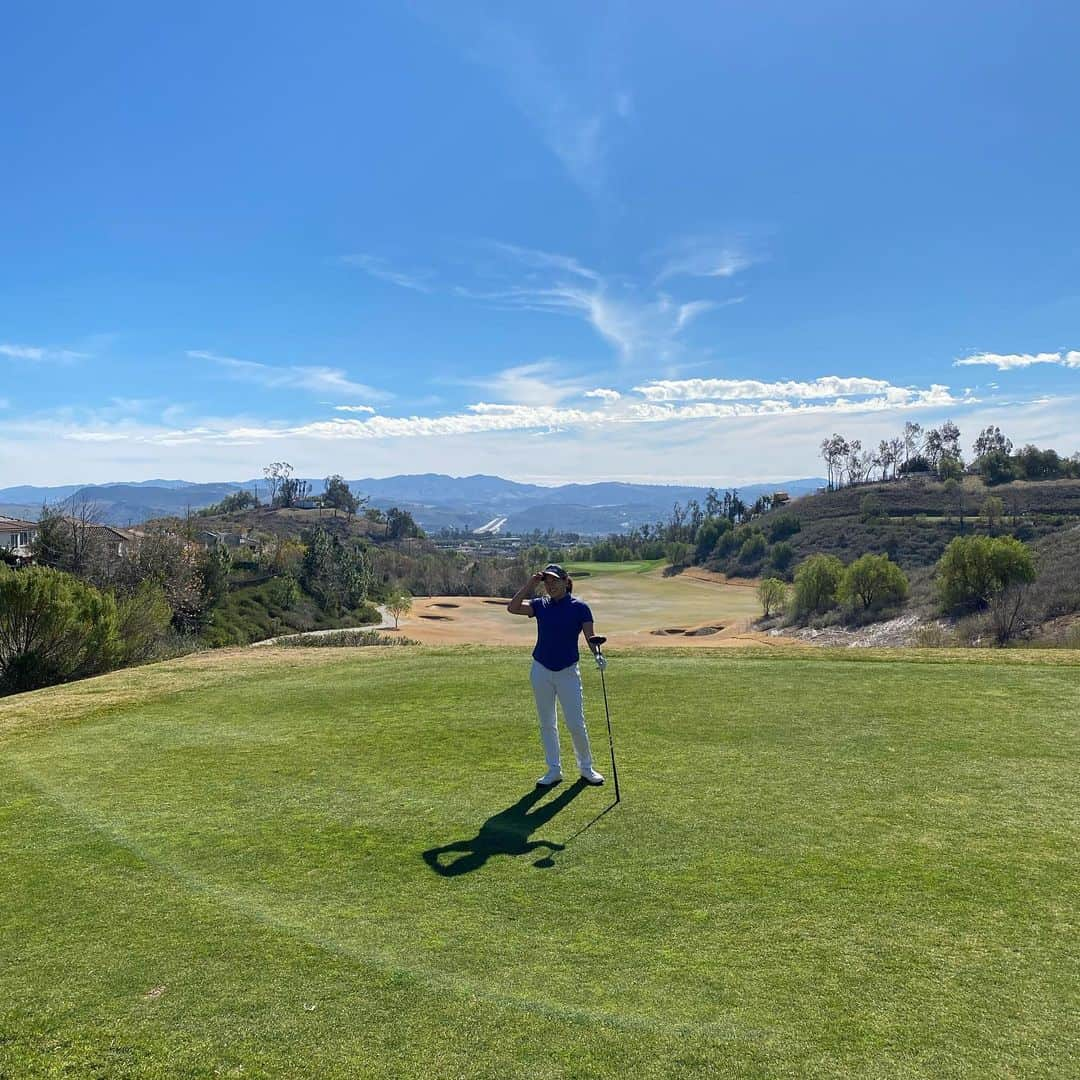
(436, 501)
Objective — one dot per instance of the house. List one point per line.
(17, 536)
(780, 498)
(117, 542)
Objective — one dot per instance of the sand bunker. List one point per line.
(441, 618)
(501, 603)
(703, 631)
(444, 605)
(697, 631)
(669, 630)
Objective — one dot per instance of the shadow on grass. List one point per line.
(505, 833)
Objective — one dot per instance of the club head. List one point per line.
(597, 640)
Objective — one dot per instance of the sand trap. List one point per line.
(444, 605)
(669, 630)
(441, 618)
(704, 631)
(501, 603)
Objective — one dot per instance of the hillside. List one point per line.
(913, 520)
(436, 501)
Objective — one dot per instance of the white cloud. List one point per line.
(37, 353)
(750, 389)
(698, 259)
(420, 281)
(317, 379)
(354, 408)
(604, 394)
(486, 416)
(1012, 361)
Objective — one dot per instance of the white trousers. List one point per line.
(566, 686)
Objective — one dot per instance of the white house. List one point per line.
(16, 536)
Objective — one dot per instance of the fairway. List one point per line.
(333, 863)
(634, 604)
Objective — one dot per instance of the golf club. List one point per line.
(597, 642)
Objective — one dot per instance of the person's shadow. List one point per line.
(505, 833)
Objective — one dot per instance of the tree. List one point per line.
(753, 548)
(339, 496)
(996, 467)
(772, 593)
(993, 510)
(53, 628)
(817, 581)
(276, 473)
(912, 440)
(976, 569)
(400, 524)
(990, 441)
(707, 535)
(399, 603)
(873, 582)
(834, 450)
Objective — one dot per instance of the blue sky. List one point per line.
(678, 242)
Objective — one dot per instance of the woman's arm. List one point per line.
(589, 632)
(519, 605)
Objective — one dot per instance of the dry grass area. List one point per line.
(697, 608)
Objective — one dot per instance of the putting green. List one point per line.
(337, 865)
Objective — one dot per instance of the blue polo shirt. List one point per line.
(558, 626)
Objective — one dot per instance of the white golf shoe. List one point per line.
(591, 776)
(550, 778)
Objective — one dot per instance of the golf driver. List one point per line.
(597, 642)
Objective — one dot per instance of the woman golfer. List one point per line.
(560, 618)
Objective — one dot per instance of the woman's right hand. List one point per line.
(537, 577)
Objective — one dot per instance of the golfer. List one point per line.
(560, 618)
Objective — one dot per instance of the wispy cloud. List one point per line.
(38, 353)
(604, 394)
(706, 259)
(577, 117)
(1011, 361)
(322, 380)
(538, 383)
(354, 408)
(418, 280)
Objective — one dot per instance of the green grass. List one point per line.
(825, 865)
(639, 566)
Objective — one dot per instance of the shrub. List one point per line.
(144, 619)
(753, 548)
(872, 507)
(873, 582)
(283, 592)
(782, 556)
(709, 532)
(53, 628)
(772, 593)
(783, 526)
(817, 583)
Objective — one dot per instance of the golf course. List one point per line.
(334, 863)
(635, 604)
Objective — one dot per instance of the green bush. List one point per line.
(54, 628)
(783, 526)
(976, 569)
(872, 583)
(781, 556)
(817, 584)
(753, 548)
(144, 620)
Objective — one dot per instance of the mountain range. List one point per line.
(435, 501)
